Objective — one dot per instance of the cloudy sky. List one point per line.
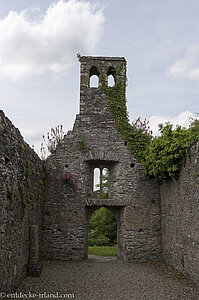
(39, 71)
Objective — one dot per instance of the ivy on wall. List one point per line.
(29, 189)
(163, 156)
(135, 136)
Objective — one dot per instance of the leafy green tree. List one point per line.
(102, 228)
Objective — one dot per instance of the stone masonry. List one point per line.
(133, 198)
(180, 218)
(47, 216)
(21, 196)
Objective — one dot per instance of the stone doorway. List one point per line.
(118, 213)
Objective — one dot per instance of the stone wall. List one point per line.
(96, 142)
(180, 218)
(21, 196)
(65, 221)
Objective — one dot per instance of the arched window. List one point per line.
(101, 183)
(111, 76)
(94, 77)
(111, 81)
(105, 183)
(94, 81)
(96, 183)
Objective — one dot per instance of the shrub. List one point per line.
(164, 156)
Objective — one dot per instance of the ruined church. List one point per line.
(45, 207)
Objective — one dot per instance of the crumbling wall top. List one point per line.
(102, 58)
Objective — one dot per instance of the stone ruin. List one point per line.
(45, 208)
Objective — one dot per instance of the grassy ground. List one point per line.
(103, 250)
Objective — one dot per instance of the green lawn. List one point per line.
(103, 250)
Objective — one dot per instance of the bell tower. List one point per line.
(93, 100)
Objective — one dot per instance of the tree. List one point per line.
(102, 228)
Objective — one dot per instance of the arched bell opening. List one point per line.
(94, 77)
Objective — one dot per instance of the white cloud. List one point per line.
(30, 48)
(182, 119)
(30, 133)
(188, 66)
(31, 136)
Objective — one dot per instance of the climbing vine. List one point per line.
(162, 157)
(136, 135)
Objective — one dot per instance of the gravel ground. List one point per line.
(106, 278)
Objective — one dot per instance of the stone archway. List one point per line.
(118, 213)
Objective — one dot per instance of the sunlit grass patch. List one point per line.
(103, 250)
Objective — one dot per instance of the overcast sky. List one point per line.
(39, 71)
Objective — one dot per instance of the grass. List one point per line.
(103, 250)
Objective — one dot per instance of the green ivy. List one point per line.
(29, 189)
(10, 194)
(162, 157)
(23, 195)
(135, 139)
